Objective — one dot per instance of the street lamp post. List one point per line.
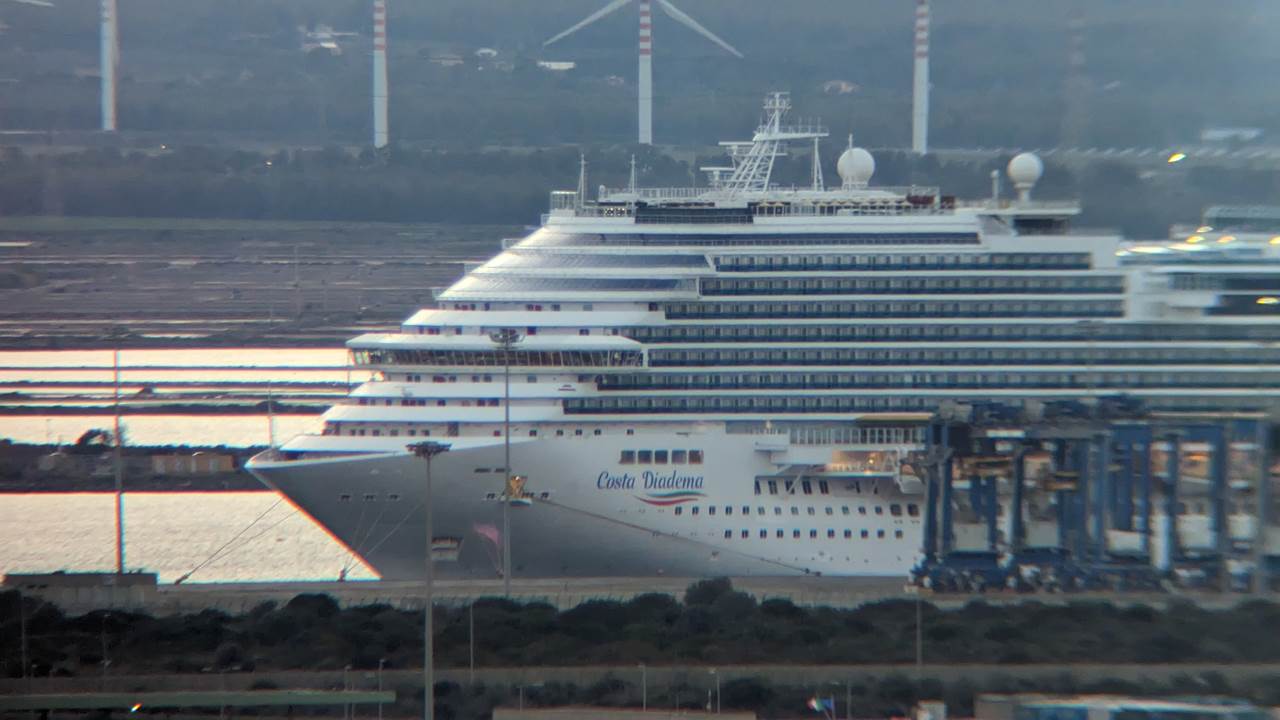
(644, 687)
(426, 451)
(346, 687)
(506, 338)
(716, 675)
(381, 663)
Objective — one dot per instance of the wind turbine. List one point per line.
(645, 82)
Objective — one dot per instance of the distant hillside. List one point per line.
(1156, 72)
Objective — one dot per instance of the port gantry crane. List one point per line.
(1100, 483)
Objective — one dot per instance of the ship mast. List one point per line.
(753, 164)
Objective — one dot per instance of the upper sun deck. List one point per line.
(742, 193)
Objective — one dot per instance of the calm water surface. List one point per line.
(247, 369)
(224, 536)
(171, 534)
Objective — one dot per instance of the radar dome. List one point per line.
(856, 166)
(1025, 169)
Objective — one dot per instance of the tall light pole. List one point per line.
(381, 662)
(716, 675)
(644, 687)
(426, 451)
(506, 339)
(118, 461)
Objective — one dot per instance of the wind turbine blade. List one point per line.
(611, 7)
(41, 3)
(693, 25)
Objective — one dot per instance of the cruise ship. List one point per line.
(729, 379)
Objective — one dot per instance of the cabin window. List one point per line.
(628, 457)
(659, 457)
(728, 534)
(679, 510)
(679, 457)
(695, 457)
(644, 457)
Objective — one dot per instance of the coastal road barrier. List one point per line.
(565, 593)
(657, 676)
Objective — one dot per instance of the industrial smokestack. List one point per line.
(110, 59)
(379, 74)
(920, 94)
(646, 74)
(1074, 119)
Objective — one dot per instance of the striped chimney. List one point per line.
(646, 74)
(109, 60)
(920, 91)
(380, 135)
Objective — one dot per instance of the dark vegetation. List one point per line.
(715, 625)
(1154, 75)
(510, 187)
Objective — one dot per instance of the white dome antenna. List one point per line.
(1025, 170)
(855, 166)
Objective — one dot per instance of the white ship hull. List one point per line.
(577, 525)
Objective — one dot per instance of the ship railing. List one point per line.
(655, 193)
(900, 437)
(1011, 204)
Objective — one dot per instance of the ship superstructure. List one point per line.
(727, 379)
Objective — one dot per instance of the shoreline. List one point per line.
(37, 469)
